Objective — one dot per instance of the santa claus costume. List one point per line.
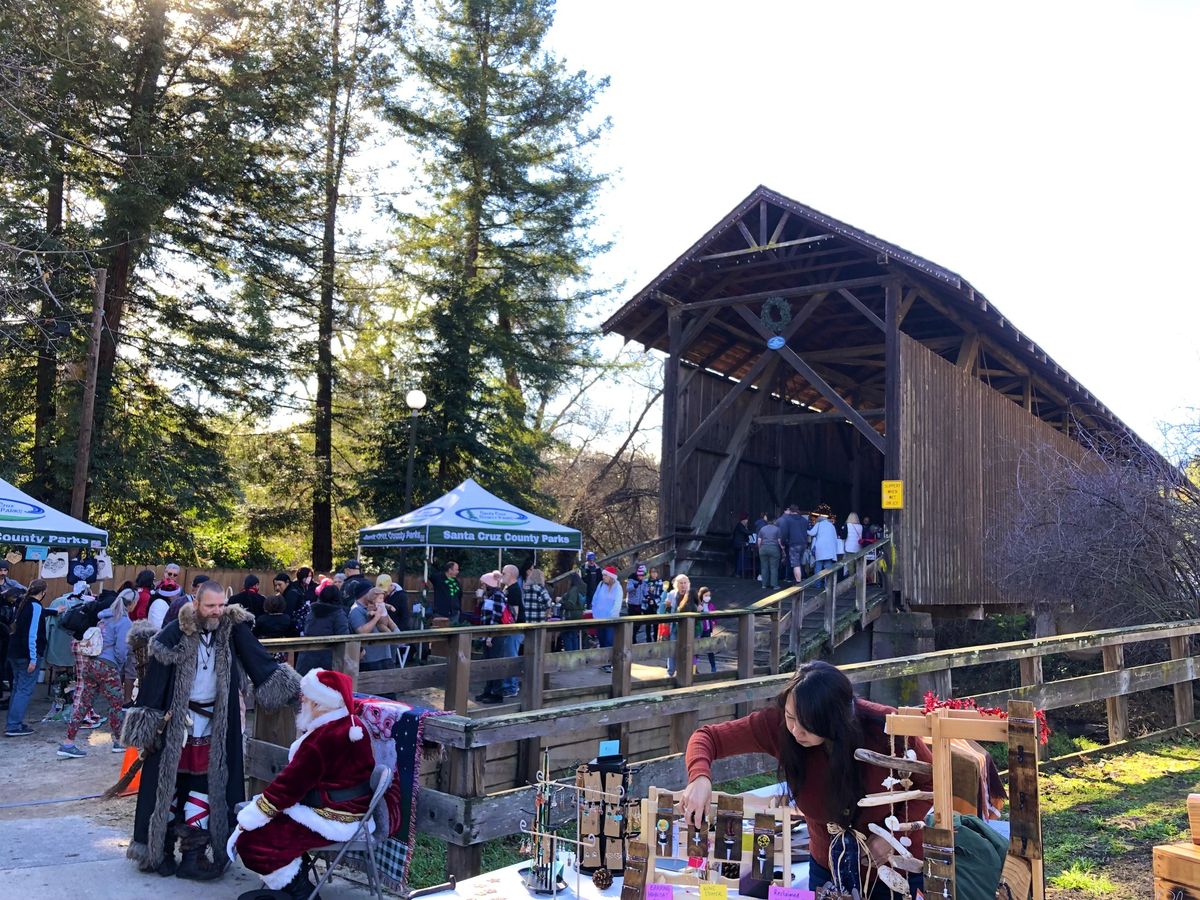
(321, 795)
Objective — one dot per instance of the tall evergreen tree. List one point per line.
(352, 33)
(496, 257)
(179, 136)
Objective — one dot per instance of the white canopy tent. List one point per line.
(25, 521)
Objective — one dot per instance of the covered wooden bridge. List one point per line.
(807, 361)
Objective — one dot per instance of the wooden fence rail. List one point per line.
(461, 812)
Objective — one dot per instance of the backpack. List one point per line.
(80, 617)
(93, 641)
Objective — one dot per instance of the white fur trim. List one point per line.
(282, 877)
(316, 723)
(311, 687)
(356, 733)
(250, 816)
(326, 828)
(231, 844)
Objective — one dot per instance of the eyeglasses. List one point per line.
(170, 574)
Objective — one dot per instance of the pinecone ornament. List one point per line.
(602, 878)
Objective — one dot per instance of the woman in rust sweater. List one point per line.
(813, 728)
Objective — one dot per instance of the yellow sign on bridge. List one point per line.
(893, 495)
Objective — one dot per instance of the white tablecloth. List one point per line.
(506, 884)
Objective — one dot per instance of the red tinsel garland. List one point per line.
(932, 702)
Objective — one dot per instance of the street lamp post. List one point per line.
(415, 400)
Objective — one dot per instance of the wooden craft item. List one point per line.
(762, 866)
(1166, 890)
(889, 797)
(900, 764)
(593, 787)
(633, 817)
(664, 825)
(727, 843)
(614, 787)
(634, 886)
(1178, 863)
(591, 821)
(1025, 814)
(591, 852)
(697, 838)
(897, 882)
(1193, 808)
(906, 864)
(893, 842)
(894, 824)
(612, 822)
(614, 855)
(939, 863)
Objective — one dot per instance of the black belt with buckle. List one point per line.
(337, 795)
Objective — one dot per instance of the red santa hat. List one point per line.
(334, 691)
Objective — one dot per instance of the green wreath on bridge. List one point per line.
(776, 314)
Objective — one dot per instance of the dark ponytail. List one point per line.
(824, 704)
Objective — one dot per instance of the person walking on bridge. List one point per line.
(770, 546)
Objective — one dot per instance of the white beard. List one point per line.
(308, 712)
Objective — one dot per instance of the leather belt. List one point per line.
(204, 709)
(337, 795)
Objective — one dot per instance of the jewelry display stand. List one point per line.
(709, 852)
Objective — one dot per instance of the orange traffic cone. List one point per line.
(131, 755)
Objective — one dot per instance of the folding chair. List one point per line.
(364, 841)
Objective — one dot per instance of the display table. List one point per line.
(506, 884)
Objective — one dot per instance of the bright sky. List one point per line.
(1047, 152)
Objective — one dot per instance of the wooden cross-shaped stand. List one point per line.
(1020, 732)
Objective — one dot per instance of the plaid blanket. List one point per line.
(396, 732)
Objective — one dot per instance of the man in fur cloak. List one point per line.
(319, 798)
(188, 718)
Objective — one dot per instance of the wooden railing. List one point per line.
(741, 637)
(462, 813)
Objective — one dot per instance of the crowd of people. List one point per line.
(151, 650)
(773, 549)
(793, 545)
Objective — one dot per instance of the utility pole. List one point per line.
(83, 453)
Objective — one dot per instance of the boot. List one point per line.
(168, 866)
(300, 887)
(196, 865)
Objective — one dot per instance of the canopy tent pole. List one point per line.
(499, 558)
(425, 580)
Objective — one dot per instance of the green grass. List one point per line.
(1080, 877)
(1101, 819)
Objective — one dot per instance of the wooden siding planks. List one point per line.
(959, 449)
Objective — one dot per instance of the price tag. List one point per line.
(776, 892)
(659, 892)
(714, 892)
